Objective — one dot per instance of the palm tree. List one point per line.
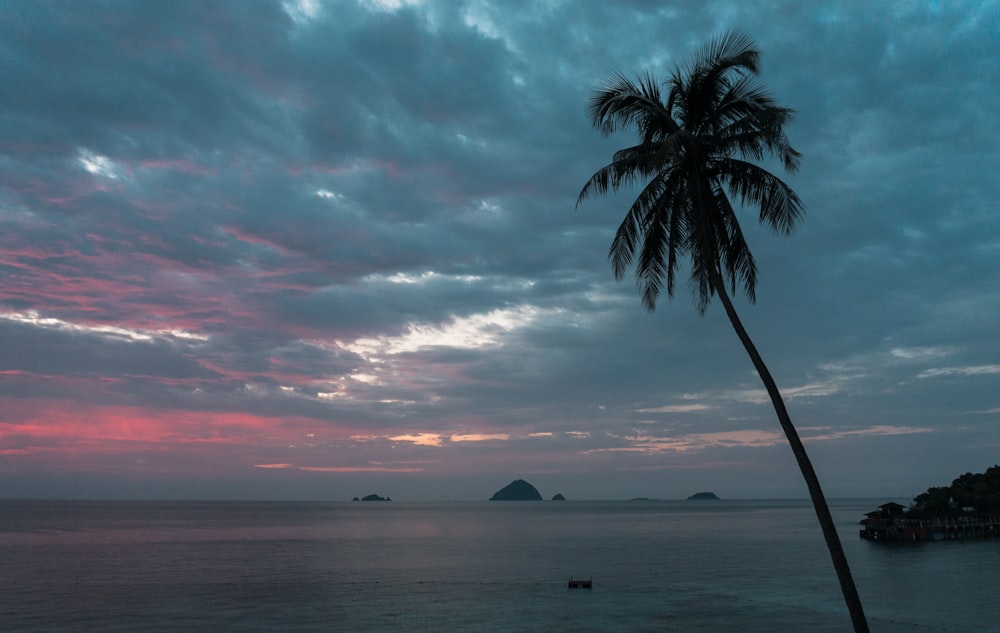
(698, 138)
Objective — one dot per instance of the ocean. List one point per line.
(691, 566)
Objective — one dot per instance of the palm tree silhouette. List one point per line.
(697, 144)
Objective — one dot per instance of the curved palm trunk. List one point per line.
(843, 570)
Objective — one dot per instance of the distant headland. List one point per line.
(517, 490)
(703, 496)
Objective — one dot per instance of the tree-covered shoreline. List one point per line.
(979, 492)
(967, 509)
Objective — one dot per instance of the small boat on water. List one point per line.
(580, 583)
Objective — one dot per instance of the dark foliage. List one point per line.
(981, 492)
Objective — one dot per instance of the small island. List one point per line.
(517, 490)
(558, 497)
(967, 509)
(703, 496)
(372, 497)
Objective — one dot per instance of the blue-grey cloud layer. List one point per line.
(363, 216)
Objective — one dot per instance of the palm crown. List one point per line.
(695, 152)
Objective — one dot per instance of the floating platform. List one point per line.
(892, 522)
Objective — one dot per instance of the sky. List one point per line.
(313, 250)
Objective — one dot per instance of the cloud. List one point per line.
(676, 408)
(33, 318)
(746, 438)
(976, 370)
(291, 233)
(343, 469)
(825, 433)
(468, 332)
(421, 439)
(480, 437)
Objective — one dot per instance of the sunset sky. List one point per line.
(313, 250)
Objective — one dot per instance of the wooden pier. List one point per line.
(892, 523)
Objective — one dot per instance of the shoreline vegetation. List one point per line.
(967, 509)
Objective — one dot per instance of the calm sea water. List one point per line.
(743, 566)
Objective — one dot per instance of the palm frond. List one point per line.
(736, 260)
(702, 240)
(745, 97)
(708, 77)
(779, 206)
(622, 104)
(649, 236)
(630, 231)
(700, 283)
(732, 49)
(650, 269)
(627, 168)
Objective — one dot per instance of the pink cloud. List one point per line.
(75, 427)
(342, 469)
